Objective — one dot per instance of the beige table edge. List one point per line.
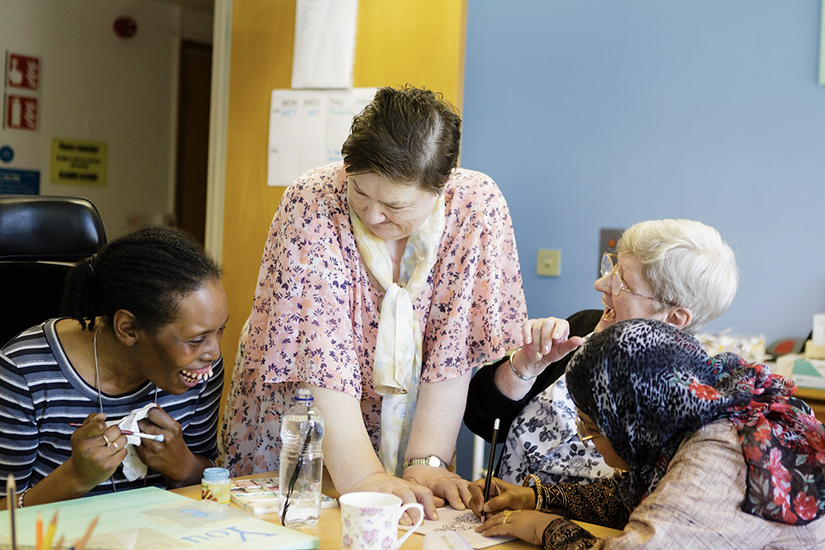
(329, 526)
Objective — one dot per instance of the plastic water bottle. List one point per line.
(302, 463)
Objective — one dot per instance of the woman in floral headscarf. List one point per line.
(715, 451)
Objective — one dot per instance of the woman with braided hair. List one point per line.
(139, 350)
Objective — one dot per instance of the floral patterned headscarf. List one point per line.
(648, 385)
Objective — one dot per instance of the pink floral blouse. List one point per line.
(315, 313)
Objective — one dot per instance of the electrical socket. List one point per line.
(549, 263)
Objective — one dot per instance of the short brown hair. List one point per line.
(410, 135)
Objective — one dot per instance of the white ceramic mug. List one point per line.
(369, 521)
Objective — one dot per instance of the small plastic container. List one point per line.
(215, 485)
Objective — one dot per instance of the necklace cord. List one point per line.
(99, 397)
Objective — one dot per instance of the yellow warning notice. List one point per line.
(78, 162)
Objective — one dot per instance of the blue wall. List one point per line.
(601, 114)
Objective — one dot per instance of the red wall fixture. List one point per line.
(125, 26)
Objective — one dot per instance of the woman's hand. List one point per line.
(527, 525)
(449, 486)
(96, 452)
(545, 342)
(406, 490)
(171, 457)
(503, 496)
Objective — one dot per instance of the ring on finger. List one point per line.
(114, 443)
(106, 439)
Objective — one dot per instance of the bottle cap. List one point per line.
(216, 473)
(303, 394)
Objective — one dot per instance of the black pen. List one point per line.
(489, 480)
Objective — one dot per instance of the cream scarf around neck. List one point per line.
(397, 367)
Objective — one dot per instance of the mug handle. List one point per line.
(412, 529)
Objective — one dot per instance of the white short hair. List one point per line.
(687, 263)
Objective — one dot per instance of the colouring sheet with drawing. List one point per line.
(463, 522)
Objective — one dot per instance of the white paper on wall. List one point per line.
(324, 50)
(308, 127)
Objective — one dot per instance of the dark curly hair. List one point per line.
(145, 272)
(409, 135)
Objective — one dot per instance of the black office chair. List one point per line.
(41, 238)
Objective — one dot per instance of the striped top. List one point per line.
(41, 393)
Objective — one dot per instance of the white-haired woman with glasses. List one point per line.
(677, 271)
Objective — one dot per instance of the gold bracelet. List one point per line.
(536, 488)
(512, 366)
(20, 497)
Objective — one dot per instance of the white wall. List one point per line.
(97, 86)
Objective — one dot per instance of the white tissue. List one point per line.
(133, 467)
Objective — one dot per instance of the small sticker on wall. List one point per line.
(20, 113)
(78, 162)
(6, 153)
(19, 182)
(23, 72)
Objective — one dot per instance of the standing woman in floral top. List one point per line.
(385, 279)
(716, 452)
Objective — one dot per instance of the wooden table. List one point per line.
(329, 526)
(815, 398)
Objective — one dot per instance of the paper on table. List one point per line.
(445, 540)
(463, 522)
(153, 518)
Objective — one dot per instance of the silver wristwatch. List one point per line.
(431, 460)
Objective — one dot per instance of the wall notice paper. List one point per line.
(324, 50)
(154, 518)
(19, 182)
(463, 522)
(78, 162)
(307, 129)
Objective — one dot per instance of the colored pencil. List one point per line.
(38, 541)
(82, 542)
(59, 544)
(11, 504)
(47, 540)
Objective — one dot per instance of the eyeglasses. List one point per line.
(616, 285)
(584, 431)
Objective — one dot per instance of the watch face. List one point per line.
(432, 460)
